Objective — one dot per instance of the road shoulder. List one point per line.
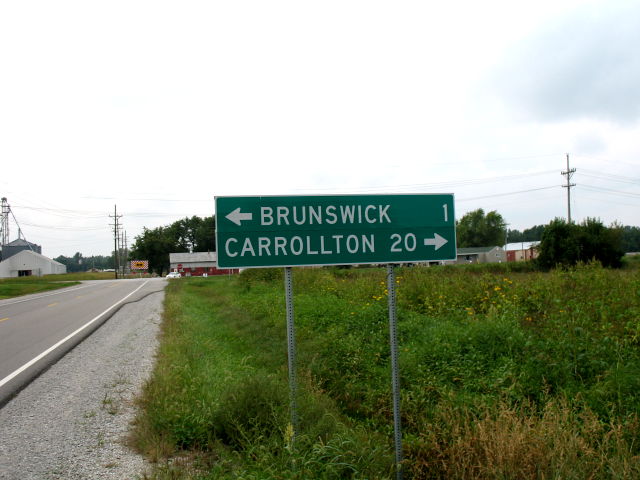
(71, 422)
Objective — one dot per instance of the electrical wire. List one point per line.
(606, 200)
(609, 190)
(608, 176)
(65, 213)
(66, 227)
(613, 162)
(453, 184)
(505, 194)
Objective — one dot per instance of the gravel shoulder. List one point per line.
(72, 421)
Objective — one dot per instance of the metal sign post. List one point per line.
(291, 350)
(395, 369)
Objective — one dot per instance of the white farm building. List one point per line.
(28, 262)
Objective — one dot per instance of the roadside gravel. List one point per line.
(71, 422)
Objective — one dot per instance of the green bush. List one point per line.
(568, 244)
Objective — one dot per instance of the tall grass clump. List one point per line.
(219, 397)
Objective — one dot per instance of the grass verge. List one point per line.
(15, 287)
(505, 374)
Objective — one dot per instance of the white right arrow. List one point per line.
(237, 216)
(436, 241)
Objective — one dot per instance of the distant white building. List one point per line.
(481, 255)
(27, 262)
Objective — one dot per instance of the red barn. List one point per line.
(197, 264)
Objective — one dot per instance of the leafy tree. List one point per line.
(194, 233)
(205, 235)
(189, 234)
(559, 244)
(475, 229)
(533, 234)
(567, 244)
(73, 264)
(514, 236)
(631, 239)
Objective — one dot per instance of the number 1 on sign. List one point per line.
(445, 207)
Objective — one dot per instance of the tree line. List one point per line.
(477, 229)
(154, 244)
(474, 229)
(630, 236)
(79, 263)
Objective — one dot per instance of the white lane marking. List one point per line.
(57, 292)
(71, 335)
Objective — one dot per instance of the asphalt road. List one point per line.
(37, 330)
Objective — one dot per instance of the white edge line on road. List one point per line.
(71, 335)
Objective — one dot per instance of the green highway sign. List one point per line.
(289, 231)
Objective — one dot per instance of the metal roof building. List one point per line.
(18, 245)
(27, 262)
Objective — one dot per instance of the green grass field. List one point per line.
(511, 375)
(15, 287)
(79, 276)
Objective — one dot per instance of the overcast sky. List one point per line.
(158, 106)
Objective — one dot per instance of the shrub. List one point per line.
(567, 244)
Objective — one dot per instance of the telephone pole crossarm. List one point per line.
(569, 173)
(116, 237)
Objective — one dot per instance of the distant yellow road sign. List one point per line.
(140, 265)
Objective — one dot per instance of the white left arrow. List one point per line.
(237, 216)
(436, 241)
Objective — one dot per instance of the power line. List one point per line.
(609, 190)
(64, 227)
(505, 194)
(614, 162)
(609, 177)
(606, 200)
(64, 213)
(452, 184)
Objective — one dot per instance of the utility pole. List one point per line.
(126, 251)
(116, 228)
(569, 173)
(506, 235)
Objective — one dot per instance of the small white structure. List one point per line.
(481, 255)
(27, 262)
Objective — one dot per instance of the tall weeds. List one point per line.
(510, 375)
